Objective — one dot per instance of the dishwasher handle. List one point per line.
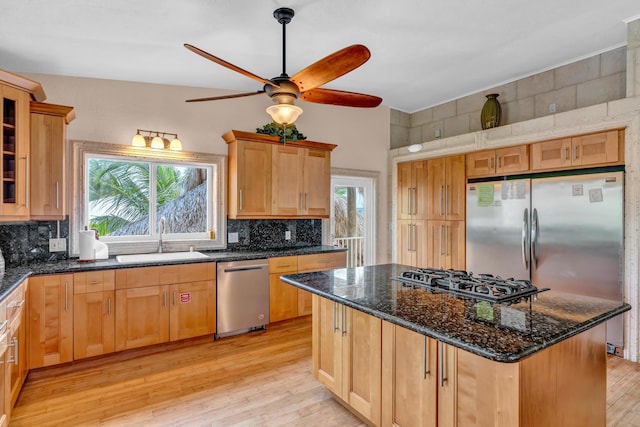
(231, 270)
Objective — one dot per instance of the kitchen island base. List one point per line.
(409, 379)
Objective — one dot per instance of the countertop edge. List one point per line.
(14, 276)
(497, 357)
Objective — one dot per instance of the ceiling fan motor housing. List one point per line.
(286, 93)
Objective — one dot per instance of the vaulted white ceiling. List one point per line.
(423, 52)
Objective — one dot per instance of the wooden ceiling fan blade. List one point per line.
(229, 65)
(331, 67)
(215, 98)
(339, 97)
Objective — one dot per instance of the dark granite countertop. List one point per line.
(13, 276)
(500, 332)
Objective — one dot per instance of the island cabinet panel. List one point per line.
(142, 316)
(409, 378)
(50, 320)
(17, 365)
(347, 356)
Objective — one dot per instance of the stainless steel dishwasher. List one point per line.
(242, 297)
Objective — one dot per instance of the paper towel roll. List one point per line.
(87, 252)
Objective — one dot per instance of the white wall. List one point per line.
(111, 111)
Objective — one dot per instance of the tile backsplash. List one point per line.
(24, 242)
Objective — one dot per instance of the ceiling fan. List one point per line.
(304, 85)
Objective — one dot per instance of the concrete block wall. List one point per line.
(595, 80)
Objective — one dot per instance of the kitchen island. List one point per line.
(397, 354)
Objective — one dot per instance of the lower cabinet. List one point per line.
(93, 324)
(16, 357)
(347, 355)
(50, 320)
(4, 357)
(181, 306)
(286, 301)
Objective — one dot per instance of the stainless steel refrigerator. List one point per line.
(561, 232)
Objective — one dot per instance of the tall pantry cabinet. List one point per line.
(431, 212)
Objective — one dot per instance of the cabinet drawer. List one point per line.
(285, 264)
(165, 275)
(15, 303)
(320, 262)
(200, 272)
(93, 281)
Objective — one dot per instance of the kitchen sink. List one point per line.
(159, 257)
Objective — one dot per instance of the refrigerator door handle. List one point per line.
(525, 230)
(534, 239)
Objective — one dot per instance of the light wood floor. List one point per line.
(256, 379)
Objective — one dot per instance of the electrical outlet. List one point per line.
(57, 245)
(287, 235)
(232, 238)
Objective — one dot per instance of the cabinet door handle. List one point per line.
(66, 296)
(94, 282)
(490, 162)
(284, 265)
(425, 358)
(26, 180)
(16, 304)
(57, 195)
(109, 306)
(175, 298)
(446, 200)
(14, 344)
(565, 155)
(335, 323)
(441, 356)
(441, 189)
(446, 239)
(575, 152)
(3, 325)
(164, 299)
(499, 162)
(344, 320)
(241, 199)
(441, 232)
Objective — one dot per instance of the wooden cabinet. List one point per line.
(446, 188)
(193, 309)
(412, 190)
(446, 244)
(412, 243)
(501, 161)
(14, 111)
(48, 157)
(286, 301)
(158, 304)
(604, 148)
(283, 298)
(17, 362)
(268, 179)
(249, 179)
(301, 179)
(347, 355)
(5, 409)
(94, 313)
(50, 320)
(409, 378)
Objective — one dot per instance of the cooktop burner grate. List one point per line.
(485, 287)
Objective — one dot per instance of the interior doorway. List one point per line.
(353, 217)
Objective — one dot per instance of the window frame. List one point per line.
(83, 150)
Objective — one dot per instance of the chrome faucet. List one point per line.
(161, 229)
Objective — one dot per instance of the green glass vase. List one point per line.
(491, 110)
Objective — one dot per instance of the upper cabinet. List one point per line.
(446, 188)
(16, 93)
(48, 155)
(412, 190)
(269, 179)
(603, 148)
(501, 161)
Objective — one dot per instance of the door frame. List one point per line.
(368, 180)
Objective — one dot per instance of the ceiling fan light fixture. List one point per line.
(284, 114)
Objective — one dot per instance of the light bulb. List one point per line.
(175, 144)
(157, 143)
(138, 141)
